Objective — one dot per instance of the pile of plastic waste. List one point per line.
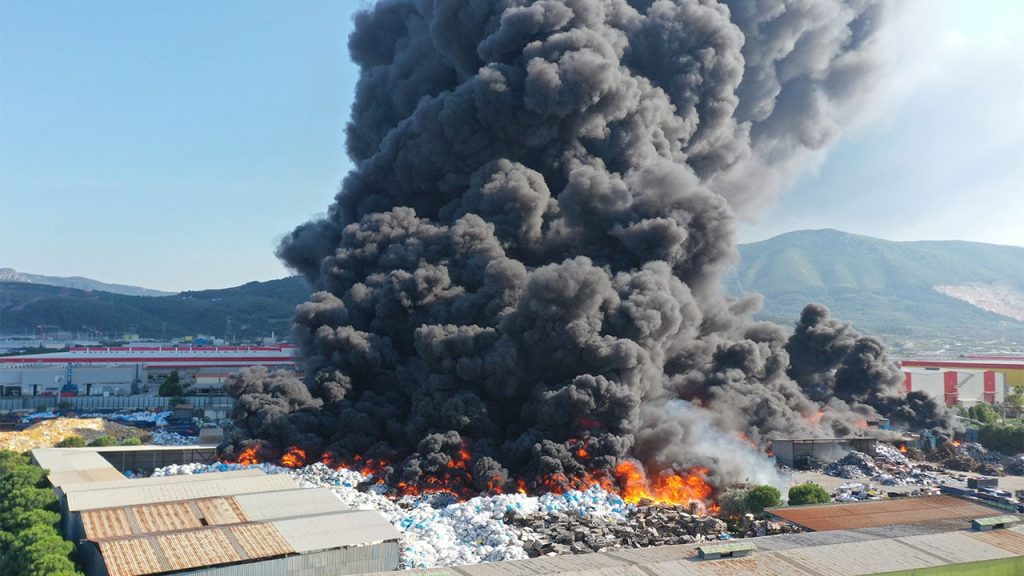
(852, 466)
(438, 530)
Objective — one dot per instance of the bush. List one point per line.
(984, 413)
(809, 493)
(763, 497)
(71, 442)
(104, 441)
(64, 405)
(1005, 438)
(733, 503)
(132, 442)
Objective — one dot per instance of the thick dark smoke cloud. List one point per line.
(526, 260)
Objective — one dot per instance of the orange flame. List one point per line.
(903, 447)
(956, 442)
(294, 458)
(248, 456)
(666, 488)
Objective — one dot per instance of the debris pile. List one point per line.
(47, 433)
(970, 457)
(142, 419)
(167, 438)
(852, 466)
(566, 533)
(438, 530)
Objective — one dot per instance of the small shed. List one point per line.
(994, 522)
(725, 550)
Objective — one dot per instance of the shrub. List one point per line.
(104, 440)
(763, 497)
(132, 442)
(809, 493)
(734, 503)
(71, 442)
(171, 385)
(64, 405)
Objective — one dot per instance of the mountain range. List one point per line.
(898, 290)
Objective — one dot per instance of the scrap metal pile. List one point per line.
(889, 467)
(970, 457)
(438, 530)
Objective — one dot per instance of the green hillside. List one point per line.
(251, 310)
(881, 286)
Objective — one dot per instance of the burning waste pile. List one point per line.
(971, 457)
(440, 530)
(519, 285)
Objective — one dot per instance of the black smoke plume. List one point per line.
(525, 264)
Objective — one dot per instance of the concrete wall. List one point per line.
(827, 450)
(958, 386)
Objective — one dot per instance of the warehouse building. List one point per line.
(957, 386)
(791, 451)
(299, 531)
(86, 380)
(1011, 367)
(239, 522)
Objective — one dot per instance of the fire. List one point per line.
(956, 442)
(582, 453)
(248, 456)
(294, 458)
(665, 488)
(903, 448)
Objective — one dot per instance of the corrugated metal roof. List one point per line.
(301, 502)
(723, 547)
(339, 530)
(106, 523)
(165, 517)
(69, 459)
(150, 494)
(882, 512)
(164, 480)
(993, 520)
(217, 511)
(836, 553)
(129, 557)
(75, 478)
(197, 548)
(261, 540)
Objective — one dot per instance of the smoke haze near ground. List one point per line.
(526, 260)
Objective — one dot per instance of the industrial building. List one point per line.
(957, 386)
(1011, 367)
(166, 358)
(790, 451)
(929, 545)
(88, 380)
(216, 523)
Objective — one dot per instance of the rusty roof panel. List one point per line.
(105, 523)
(261, 540)
(221, 511)
(1010, 540)
(197, 548)
(129, 557)
(882, 513)
(165, 517)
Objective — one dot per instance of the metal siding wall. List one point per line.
(107, 402)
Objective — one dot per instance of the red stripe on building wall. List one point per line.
(990, 387)
(952, 390)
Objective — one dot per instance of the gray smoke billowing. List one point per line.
(525, 264)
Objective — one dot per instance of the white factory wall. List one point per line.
(970, 384)
(91, 380)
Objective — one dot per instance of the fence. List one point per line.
(83, 403)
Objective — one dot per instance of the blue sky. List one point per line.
(172, 144)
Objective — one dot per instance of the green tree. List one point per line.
(763, 497)
(171, 385)
(734, 503)
(984, 413)
(808, 493)
(132, 442)
(1015, 399)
